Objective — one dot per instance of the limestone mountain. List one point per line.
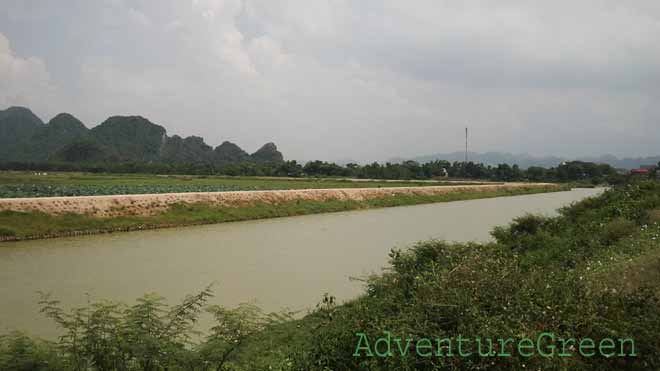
(25, 138)
(268, 153)
(186, 150)
(60, 131)
(83, 150)
(130, 138)
(229, 152)
(17, 126)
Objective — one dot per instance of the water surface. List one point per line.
(287, 262)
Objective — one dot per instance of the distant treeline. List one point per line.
(567, 172)
(133, 144)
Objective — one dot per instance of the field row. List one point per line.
(45, 190)
(27, 184)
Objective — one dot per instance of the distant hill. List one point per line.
(61, 130)
(17, 126)
(130, 138)
(25, 138)
(229, 152)
(524, 161)
(186, 150)
(267, 153)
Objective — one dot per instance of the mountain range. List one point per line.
(24, 137)
(525, 161)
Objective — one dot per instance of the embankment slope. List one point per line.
(151, 204)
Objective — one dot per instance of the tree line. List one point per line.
(566, 172)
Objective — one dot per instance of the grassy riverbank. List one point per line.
(589, 274)
(29, 225)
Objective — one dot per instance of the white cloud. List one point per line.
(24, 81)
(231, 49)
(266, 53)
(375, 78)
(139, 17)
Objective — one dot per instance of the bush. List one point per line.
(19, 352)
(440, 290)
(618, 229)
(521, 231)
(6, 232)
(539, 276)
(149, 335)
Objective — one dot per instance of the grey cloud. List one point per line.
(366, 80)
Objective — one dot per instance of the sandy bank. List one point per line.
(123, 205)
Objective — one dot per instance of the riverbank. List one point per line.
(50, 217)
(589, 274)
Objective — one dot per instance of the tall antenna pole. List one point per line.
(466, 145)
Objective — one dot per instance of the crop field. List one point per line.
(28, 184)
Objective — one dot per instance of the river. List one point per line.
(279, 263)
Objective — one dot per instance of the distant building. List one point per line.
(640, 171)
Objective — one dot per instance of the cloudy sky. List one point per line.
(348, 79)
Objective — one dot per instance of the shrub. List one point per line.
(654, 216)
(537, 277)
(618, 229)
(519, 232)
(6, 232)
(19, 352)
(529, 224)
(149, 335)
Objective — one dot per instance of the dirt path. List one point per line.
(149, 204)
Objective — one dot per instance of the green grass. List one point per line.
(26, 184)
(22, 225)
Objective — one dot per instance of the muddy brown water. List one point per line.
(279, 263)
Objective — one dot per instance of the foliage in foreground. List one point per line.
(591, 272)
(149, 335)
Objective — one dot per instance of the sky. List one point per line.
(345, 80)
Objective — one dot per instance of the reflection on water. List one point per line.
(287, 262)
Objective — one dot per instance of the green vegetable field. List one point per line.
(15, 184)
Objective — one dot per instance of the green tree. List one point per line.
(112, 336)
(233, 329)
